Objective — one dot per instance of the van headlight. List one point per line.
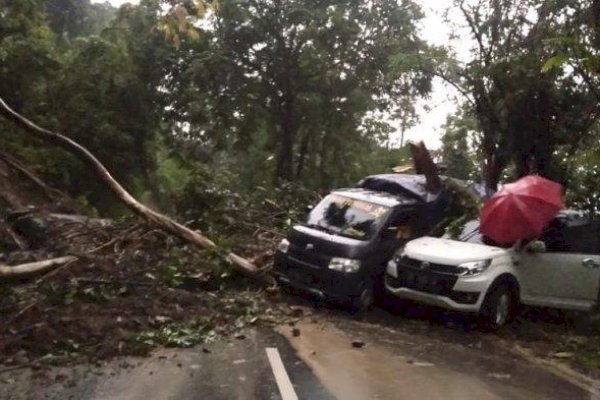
(473, 267)
(344, 265)
(283, 246)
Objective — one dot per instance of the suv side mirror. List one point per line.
(536, 246)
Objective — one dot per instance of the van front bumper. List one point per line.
(324, 283)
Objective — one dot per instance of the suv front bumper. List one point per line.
(436, 289)
(432, 299)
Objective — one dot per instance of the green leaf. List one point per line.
(555, 62)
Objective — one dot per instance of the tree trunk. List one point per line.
(424, 165)
(161, 221)
(302, 156)
(285, 156)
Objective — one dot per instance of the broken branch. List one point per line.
(19, 271)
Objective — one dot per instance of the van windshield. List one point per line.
(349, 217)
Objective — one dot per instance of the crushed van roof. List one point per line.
(381, 198)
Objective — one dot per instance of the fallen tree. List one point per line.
(159, 220)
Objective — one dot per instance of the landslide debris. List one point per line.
(129, 288)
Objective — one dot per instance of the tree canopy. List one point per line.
(267, 92)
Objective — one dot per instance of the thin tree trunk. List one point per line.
(285, 156)
(18, 271)
(161, 221)
(302, 156)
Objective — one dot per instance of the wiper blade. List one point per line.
(318, 227)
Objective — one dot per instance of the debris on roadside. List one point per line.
(499, 376)
(128, 288)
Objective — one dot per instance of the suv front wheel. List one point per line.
(498, 307)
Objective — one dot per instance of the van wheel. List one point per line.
(498, 307)
(365, 301)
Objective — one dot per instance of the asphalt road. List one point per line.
(392, 358)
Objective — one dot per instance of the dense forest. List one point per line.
(197, 105)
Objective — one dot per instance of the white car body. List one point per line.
(552, 279)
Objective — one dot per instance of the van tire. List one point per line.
(498, 307)
(365, 300)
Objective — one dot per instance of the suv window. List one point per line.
(581, 238)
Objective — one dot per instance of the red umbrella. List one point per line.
(521, 209)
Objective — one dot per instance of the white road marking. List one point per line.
(281, 377)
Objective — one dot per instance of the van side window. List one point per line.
(404, 222)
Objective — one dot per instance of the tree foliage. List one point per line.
(166, 93)
(297, 81)
(528, 114)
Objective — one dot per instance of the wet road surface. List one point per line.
(400, 358)
(395, 364)
(237, 370)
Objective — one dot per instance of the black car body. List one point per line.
(340, 252)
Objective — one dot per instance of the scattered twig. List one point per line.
(109, 282)
(24, 365)
(20, 242)
(21, 312)
(54, 272)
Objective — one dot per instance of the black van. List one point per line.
(340, 252)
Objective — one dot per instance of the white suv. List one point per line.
(560, 269)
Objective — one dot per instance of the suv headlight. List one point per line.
(399, 256)
(473, 267)
(344, 265)
(283, 246)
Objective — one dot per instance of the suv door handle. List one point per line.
(590, 263)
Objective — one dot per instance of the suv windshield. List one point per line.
(470, 233)
(345, 216)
